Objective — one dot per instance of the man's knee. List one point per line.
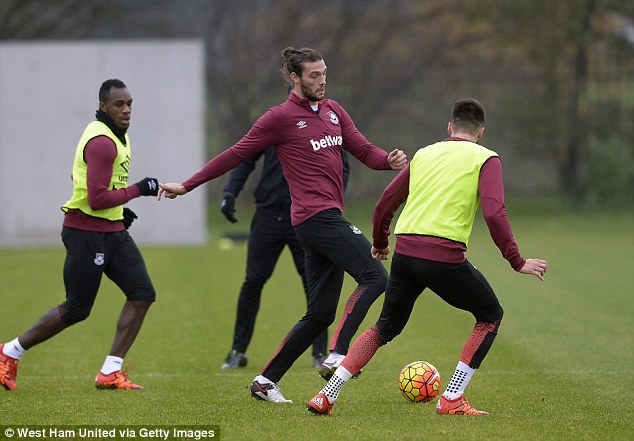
(254, 283)
(144, 298)
(321, 319)
(378, 276)
(71, 313)
(388, 332)
(494, 317)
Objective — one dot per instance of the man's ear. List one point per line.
(480, 133)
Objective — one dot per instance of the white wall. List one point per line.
(49, 93)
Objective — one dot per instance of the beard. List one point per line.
(310, 95)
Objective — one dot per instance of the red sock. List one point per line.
(363, 350)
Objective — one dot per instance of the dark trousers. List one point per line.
(461, 285)
(268, 237)
(332, 246)
(89, 255)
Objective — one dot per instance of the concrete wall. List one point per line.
(49, 93)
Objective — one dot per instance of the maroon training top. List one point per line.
(491, 191)
(99, 154)
(309, 144)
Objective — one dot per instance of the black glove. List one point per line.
(148, 186)
(128, 217)
(228, 207)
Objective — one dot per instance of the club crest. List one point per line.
(99, 259)
(333, 117)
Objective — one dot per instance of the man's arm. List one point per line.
(234, 186)
(239, 175)
(491, 190)
(262, 134)
(346, 169)
(99, 154)
(394, 195)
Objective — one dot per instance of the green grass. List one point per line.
(560, 369)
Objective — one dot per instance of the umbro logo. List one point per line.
(302, 125)
(126, 164)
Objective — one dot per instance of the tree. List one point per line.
(541, 67)
(562, 41)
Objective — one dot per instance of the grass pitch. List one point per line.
(560, 369)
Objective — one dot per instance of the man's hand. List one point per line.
(535, 267)
(171, 190)
(380, 254)
(397, 159)
(128, 217)
(148, 186)
(228, 207)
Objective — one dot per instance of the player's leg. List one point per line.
(464, 287)
(128, 271)
(322, 307)
(350, 250)
(404, 286)
(325, 280)
(82, 277)
(324, 283)
(48, 325)
(297, 251)
(264, 247)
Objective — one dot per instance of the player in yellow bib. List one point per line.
(95, 234)
(442, 188)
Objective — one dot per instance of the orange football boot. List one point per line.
(319, 405)
(115, 380)
(8, 370)
(459, 406)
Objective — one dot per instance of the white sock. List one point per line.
(459, 381)
(13, 349)
(336, 383)
(263, 380)
(112, 364)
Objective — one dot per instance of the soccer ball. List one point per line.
(419, 382)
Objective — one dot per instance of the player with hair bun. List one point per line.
(309, 133)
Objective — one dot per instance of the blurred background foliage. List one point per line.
(556, 76)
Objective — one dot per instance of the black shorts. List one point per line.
(91, 254)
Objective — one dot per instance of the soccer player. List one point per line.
(271, 231)
(95, 234)
(310, 133)
(442, 188)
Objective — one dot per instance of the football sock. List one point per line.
(13, 349)
(336, 383)
(459, 381)
(363, 349)
(112, 364)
